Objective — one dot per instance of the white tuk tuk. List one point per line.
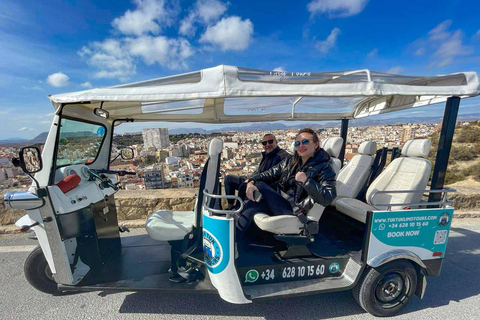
(386, 231)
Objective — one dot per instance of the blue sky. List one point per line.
(49, 47)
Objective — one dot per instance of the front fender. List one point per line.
(395, 255)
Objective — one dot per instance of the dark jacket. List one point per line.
(318, 188)
(271, 159)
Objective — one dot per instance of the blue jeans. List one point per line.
(272, 203)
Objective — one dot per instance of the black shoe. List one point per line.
(177, 278)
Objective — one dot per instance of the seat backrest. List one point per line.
(354, 175)
(333, 146)
(210, 177)
(410, 172)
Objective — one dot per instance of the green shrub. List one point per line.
(473, 171)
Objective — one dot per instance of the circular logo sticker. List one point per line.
(212, 250)
(334, 267)
(251, 275)
(444, 219)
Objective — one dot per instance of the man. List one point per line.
(271, 156)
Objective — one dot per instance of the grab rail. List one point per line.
(440, 204)
(229, 213)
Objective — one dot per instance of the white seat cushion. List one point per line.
(286, 224)
(353, 176)
(354, 208)
(168, 225)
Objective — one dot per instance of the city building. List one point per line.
(156, 138)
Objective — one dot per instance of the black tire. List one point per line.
(38, 272)
(383, 291)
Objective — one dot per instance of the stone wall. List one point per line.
(139, 204)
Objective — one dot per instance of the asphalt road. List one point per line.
(452, 295)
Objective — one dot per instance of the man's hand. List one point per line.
(250, 189)
(301, 177)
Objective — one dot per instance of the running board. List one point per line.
(345, 281)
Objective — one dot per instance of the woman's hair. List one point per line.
(296, 157)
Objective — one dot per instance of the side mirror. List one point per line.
(30, 160)
(127, 153)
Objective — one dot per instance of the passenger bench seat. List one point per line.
(410, 172)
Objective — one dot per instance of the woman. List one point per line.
(305, 179)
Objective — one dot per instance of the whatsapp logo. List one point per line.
(251, 276)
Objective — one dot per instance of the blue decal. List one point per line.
(216, 243)
(100, 131)
(211, 249)
(334, 267)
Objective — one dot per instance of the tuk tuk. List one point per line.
(383, 235)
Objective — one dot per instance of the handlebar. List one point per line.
(120, 173)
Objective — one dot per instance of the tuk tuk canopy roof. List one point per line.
(228, 94)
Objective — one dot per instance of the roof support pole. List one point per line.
(444, 146)
(343, 134)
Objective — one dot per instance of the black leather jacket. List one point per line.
(318, 188)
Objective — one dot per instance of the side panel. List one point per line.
(219, 253)
(423, 233)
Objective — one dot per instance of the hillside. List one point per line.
(464, 161)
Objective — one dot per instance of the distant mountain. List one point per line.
(266, 126)
(41, 138)
(12, 141)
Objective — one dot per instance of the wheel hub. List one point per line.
(389, 288)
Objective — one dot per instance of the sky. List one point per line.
(50, 47)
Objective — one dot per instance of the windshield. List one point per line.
(79, 142)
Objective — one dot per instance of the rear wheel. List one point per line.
(38, 272)
(383, 291)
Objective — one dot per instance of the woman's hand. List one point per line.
(250, 189)
(301, 177)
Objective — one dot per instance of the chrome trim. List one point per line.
(22, 200)
(441, 204)
(386, 257)
(229, 213)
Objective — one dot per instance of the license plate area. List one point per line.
(292, 271)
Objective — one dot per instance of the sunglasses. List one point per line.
(268, 141)
(299, 143)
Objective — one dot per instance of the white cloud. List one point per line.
(337, 8)
(25, 129)
(420, 51)
(230, 33)
(372, 54)
(149, 16)
(187, 25)
(452, 48)
(210, 10)
(445, 44)
(329, 43)
(204, 12)
(87, 85)
(279, 69)
(111, 58)
(440, 32)
(167, 52)
(58, 79)
(395, 70)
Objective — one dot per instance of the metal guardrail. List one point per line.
(229, 213)
(440, 204)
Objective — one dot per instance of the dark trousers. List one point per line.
(272, 203)
(234, 182)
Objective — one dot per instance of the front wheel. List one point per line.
(38, 272)
(383, 291)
